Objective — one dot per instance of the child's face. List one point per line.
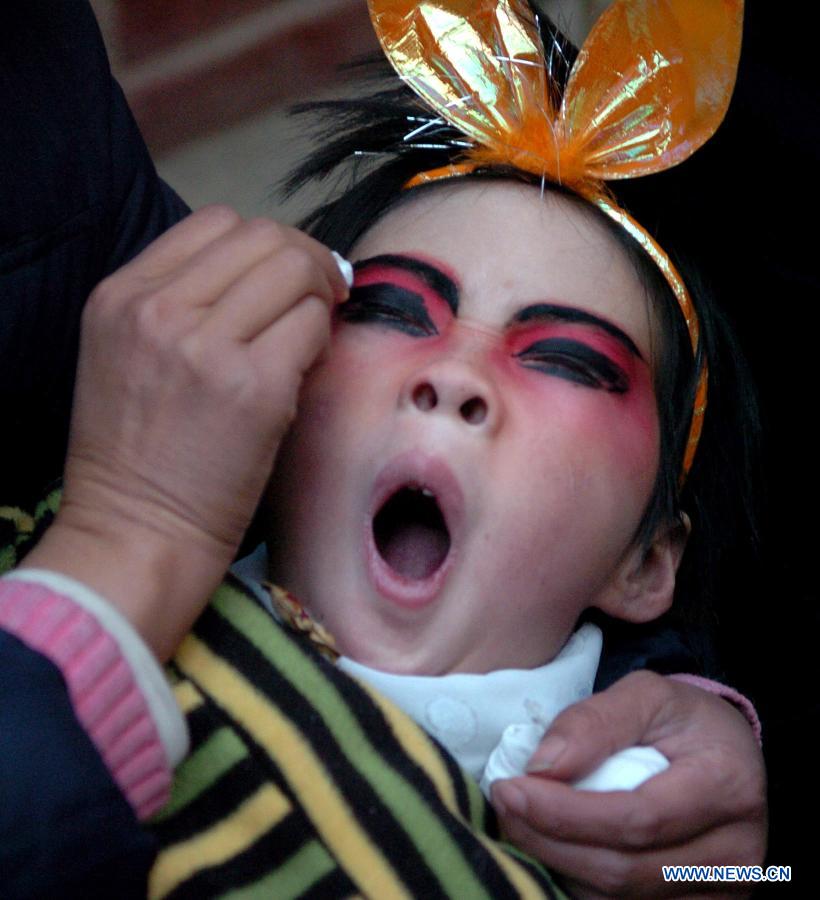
(529, 415)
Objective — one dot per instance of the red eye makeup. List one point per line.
(576, 362)
(403, 293)
(575, 345)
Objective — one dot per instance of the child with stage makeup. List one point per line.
(505, 436)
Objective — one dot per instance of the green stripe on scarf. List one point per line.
(217, 756)
(304, 869)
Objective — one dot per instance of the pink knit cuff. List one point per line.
(742, 704)
(100, 684)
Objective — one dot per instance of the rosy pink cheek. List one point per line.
(629, 427)
(629, 422)
(622, 428)
(635, 431)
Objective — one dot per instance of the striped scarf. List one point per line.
(302, 782)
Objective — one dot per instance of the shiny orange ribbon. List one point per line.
(651, 84)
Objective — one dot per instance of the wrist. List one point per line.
(158, 582)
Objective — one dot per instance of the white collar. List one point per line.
(469, 714)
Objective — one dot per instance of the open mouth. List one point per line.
(411, 534)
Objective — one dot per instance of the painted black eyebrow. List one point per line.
(440, 283)
(553, 313)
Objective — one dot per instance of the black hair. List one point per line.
(362, 142)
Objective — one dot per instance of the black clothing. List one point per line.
(79, 197)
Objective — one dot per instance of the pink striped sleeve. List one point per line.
(743, 704)
(102, 688)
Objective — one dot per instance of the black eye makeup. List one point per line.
(401, 292)
(389, 305)
(575, 361)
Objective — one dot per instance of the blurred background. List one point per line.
(210, 82)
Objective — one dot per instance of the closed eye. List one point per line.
(389, 305)
(576, 362)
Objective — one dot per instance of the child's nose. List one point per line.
(455, 387)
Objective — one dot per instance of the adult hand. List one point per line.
(190, 365)
(708, 808)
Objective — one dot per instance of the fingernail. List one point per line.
(345, 267)
(547, 754)
(510, 799)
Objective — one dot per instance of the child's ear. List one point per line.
(643, 585)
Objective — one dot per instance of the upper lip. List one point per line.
(423, 472)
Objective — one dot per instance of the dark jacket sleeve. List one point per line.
(79, 197)
(65, 829)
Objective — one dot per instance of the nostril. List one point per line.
(425, 397)
(474, 411)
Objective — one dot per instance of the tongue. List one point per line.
(415, 550)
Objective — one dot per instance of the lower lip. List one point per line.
(411, 593)
(405, 592)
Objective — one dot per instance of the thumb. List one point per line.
(588, 732)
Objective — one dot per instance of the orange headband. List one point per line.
(651, 84)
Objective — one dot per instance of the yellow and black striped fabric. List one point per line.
(303, 783)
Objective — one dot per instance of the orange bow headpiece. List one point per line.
(651, 84)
